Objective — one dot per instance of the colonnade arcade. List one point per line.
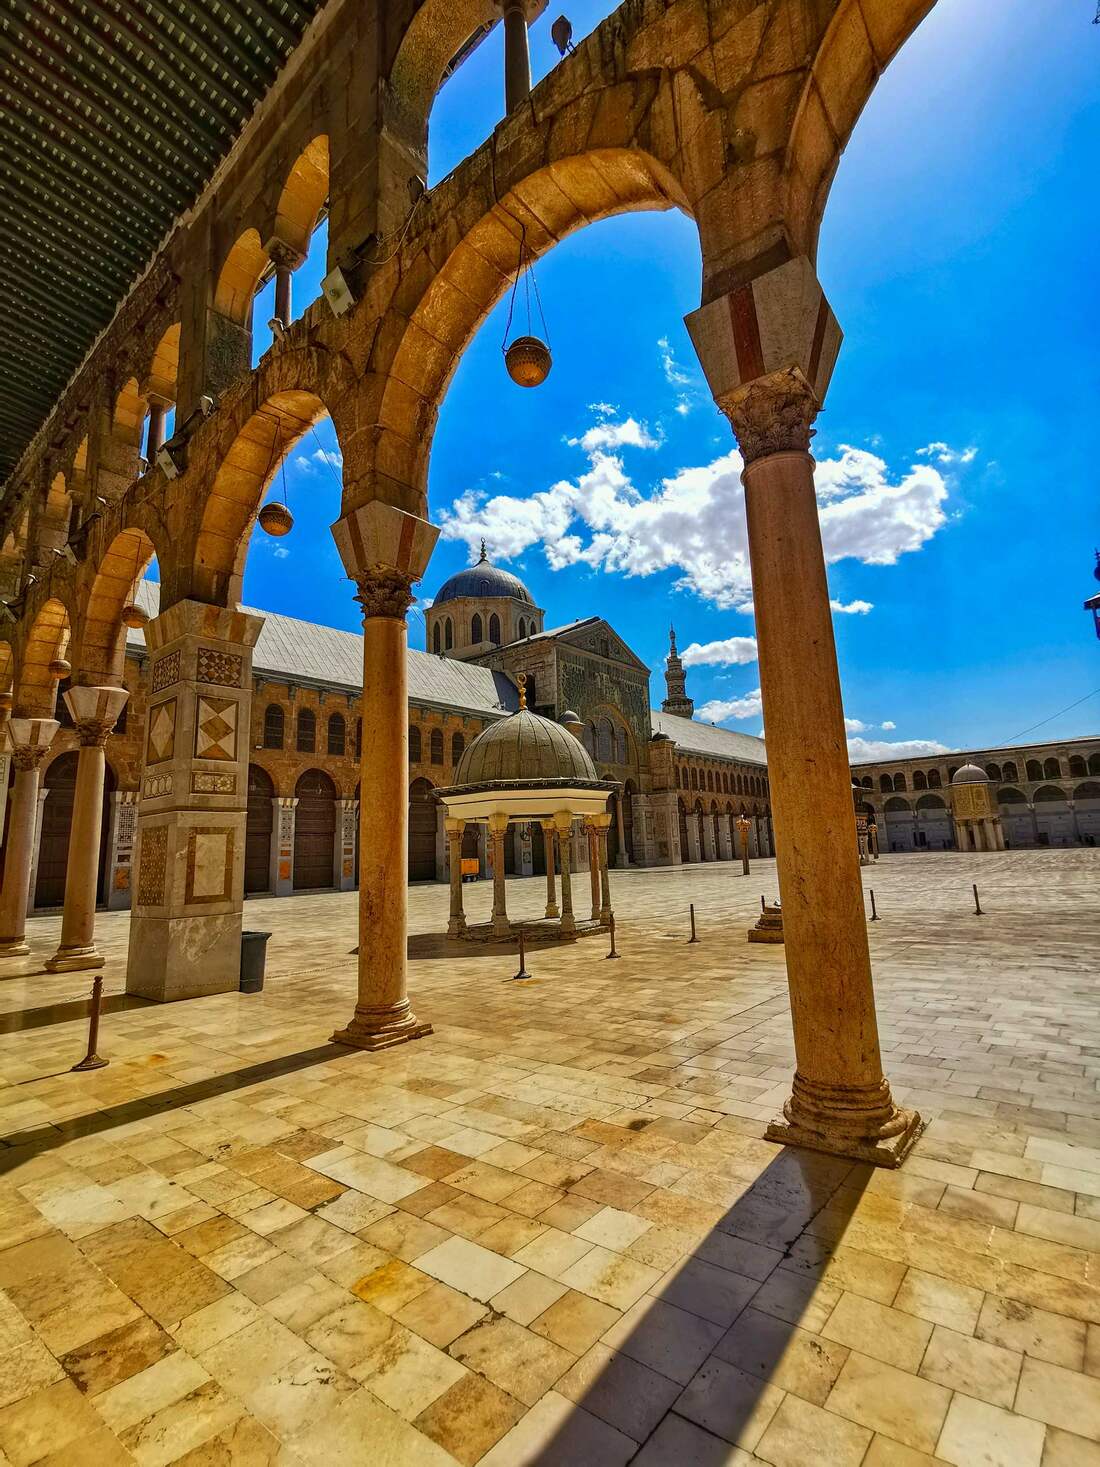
(737, 118)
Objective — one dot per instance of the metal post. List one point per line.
(693, 937)
(977, 904)
(613, 953)
(874, 913)
(91, 1060)
(523, 973)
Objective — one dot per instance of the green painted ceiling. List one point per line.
(113, 116)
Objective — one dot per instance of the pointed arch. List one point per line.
(128, 418)
(163, 374)
(100, 644)
(47, 640)
(239, 277)
(303, 196)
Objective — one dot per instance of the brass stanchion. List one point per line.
(91, 1060)
(613, 953)
(977, 904)
(874, 911)
(523, 973)
(693, 937)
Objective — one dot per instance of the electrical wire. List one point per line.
(1053, 716)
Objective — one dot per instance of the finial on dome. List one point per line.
(484, 553)
(522, 680)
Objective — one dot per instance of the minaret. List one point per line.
(677, 701)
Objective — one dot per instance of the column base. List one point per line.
(16, 949)
(374, 1029)
(456, 927)
(501, 927)
(552, 909)
(858, 1123)
(569, 925)
(74, 959)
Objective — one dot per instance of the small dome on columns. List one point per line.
(970, 774)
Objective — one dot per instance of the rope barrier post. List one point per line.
(977, 904)
(763, 905)
(874, 911)
(91, 1060)
(523, 973)
(691, 913)
(613, 953)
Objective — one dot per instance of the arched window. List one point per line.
(994, 772)
(622, 755)
(1052, 769)
(307, 731)
(529, 689)
(1094, 763)
(1034, 769)
(494, 629)
(919, 781)
(933, 779)
(680, 780)
(899, 781)
(1077, 765)
(885, 783)
(475, 629)
(867, 782)
(437, 641)
(695, 779)
(274, 726)
(458, 747)
(588, 738)
(337, 734)
(606, 741)
(1008, 770)
(448, 635)
(414, 744)
(436, 746)
(710, 780)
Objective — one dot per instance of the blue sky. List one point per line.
(956, 455)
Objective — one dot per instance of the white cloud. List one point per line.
(862, 751)
(314, 462)
(693, 522)
(675, 375)
(853, 608)
(887, 725)
(943, 453)
(603, 409)
(855, 725)
(719, 709)
(732, 651)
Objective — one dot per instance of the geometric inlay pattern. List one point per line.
(154, 864)
(166, 671)
(209, 864)
(216, 729)
(162, 732)
(223, 668)
(206, 782)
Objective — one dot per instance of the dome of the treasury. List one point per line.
(970, 774)
(483, 581)
(524, 749)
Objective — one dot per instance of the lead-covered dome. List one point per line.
(483, 581)
(970, 774)
(525, 748)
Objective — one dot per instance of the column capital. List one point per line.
(30, 740)
(453, 826)
(279, 252)
(95, 712)
(768, 349)
(563, 822)
(498, 823)
(384, 551)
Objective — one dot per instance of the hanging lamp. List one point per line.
(276, 519)
(527, 359)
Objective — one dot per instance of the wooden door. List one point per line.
(314, 832)
(421, 831)
(57, 818)
(259, 824)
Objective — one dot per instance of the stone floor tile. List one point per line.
(252, 1355)
(672, 1341)
(470, 1417)
(302, 1389)
(45, 1421)
(609, 1277)
(930, 1297)
(523, 1363)
(792, 1359)
(556, 1433)
(136, 1399)
(613, 1229)
(1060, 1397)
(974, 1367)
(392, 1286)
(351, 1335)
(890, 1401)
(528, 1297)
(800, 1433)
(700, 1288)
(729, 1403)
(470, 1268)
(575, 1321)
(874, 1329)
(1032, 1331)
(1063, 1449)
(412, 1374)
(362, 1429)
(117, 1355)
(553, 1252)
(621, 1391)
(886, 1453)
(440, 1314)
(216, 1322)
(404, 1235)
(181, 1426)
(977, 1432)
(243, 1443)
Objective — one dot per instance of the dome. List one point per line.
(970, 774)
(525, 748)
(570, 717)
(484, 581)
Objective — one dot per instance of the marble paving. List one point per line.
(550, 1232)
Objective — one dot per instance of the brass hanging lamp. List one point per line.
(528, 358)
(276, 519)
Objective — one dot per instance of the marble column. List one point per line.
(743, 841)
(185, 931)
(548, 840)
(456, 923)
(706, 821)
(621, 858)
(517, 54)
(594, 868)
(94, 711)
(282, 837)
(346, 814)
(498, 828)
(725, 846)
(768, 349)
(564, 825)
(30, 743)
(36, 848)
(5, 756)
(384, 551)
(602, 823)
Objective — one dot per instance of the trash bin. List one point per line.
(253, 957)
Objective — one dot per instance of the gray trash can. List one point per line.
(253, 958)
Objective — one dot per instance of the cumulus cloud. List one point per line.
(855, 725)
(315, 462)
(719, 709)
(676, 376)
(693, 521)
(943, 453)
(853, 608)
(862, 751)
(730, 652)
(887, 725)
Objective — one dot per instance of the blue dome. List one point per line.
(483, 580)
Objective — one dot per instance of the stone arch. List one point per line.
(303, 196)
(1052, 769)
(163, 375)
(438, 34)
(1090, 790)
(432, 326)
(930, 802)
(239, 277)
(128, 418)
(100, 644)
(1094, 763)
(54, 518)
(1010, 796)
(896, 805)
(47, 640)
(1049, 795)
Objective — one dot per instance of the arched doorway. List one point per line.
(259, 824)
(314, 832)
(627, 798)
(422, 821)
(59, 783)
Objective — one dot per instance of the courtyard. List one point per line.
(550, 1232)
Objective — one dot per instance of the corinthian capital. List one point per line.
(384, 592)
(384, 551)
(94, 732)
(30, 740)
(772, 415)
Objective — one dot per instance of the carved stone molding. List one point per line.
(385, 592)
(94, 732)
(28, 756)
(772, 415)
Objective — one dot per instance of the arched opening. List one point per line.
(54, 520)
(414, 744)
(1008, 770)
(59, 783)
(994, 772)
(494, 629)
(274, 726)
(458, 748)
(1077, 766)
(1034, 769)
(314, 832)
(448, 635)
(306, 731)
(437, 645)
(685, 849)
(239, 277)
(102, 649)
(475, 629)
(303, 196)
(1094, 763)
(1052, 769)
(258, 830)
(436, 746)
(422, 829)
(919, 781)
(47, 641)
(337, 734)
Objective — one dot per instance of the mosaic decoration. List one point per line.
(166, 671)
(162, 732)
(223, 668)
(209, 865)
(127, 823)
(156, 785)
(153, 867)
(216, 729)
(204, 782)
